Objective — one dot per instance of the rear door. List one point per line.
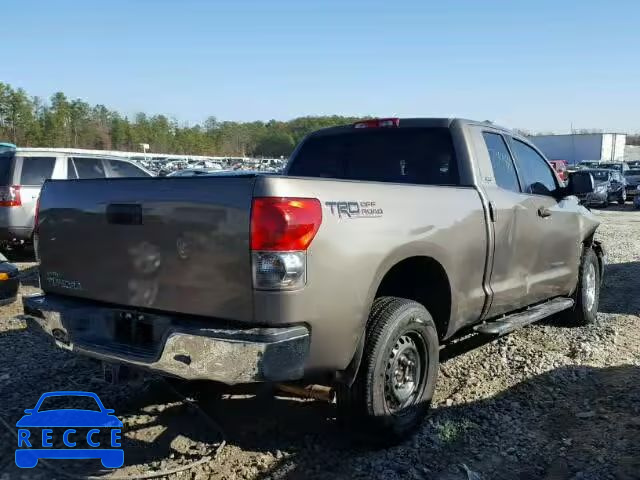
(33, 171)
(508, 275)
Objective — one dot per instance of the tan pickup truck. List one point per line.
(379, 243)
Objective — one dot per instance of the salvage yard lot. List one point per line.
(545, 402)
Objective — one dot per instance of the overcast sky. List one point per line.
(540, 65)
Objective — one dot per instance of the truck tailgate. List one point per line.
(171, 244)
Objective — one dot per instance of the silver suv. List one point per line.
(24, 170)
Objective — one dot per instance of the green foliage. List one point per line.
(28, 121)
(450, 431)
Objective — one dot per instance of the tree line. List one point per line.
(30, 121)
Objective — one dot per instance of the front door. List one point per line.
(551, 226)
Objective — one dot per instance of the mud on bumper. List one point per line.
(192, 349)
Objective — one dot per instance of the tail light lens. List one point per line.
(279, 270)
(284, 224)
(281, 231)
(10, 196)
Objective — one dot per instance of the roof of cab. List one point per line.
(436, 122)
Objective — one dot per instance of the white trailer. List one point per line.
(574, 148)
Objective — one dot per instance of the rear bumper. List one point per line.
(9, 234)
(191, 349)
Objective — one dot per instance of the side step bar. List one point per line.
(502, 326)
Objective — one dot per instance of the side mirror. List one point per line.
(580, 183)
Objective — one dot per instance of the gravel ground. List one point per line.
(545, 402)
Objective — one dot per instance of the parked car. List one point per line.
(621, 167)
(24, 170)
(632, 177)
(189, 172)
(9, 281)
(218, 173)
(610, 186)
(587, 164)
(560, 167)
(334, 272)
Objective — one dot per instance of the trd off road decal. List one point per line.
(351, 209)
(55, 279)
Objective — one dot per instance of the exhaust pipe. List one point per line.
(316, 392)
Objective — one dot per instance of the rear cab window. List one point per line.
(414, 155)
(35, 170)
(504, 170)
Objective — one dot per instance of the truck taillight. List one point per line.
(281, 231)
(10, 196)
(378, 123)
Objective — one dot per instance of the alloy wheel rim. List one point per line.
(590, 287)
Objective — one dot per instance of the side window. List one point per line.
(35, 170)
(89, 167)
(501, 161)
(536, 174)
(124, 169)
(71, 170)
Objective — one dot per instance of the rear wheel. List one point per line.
(587, 294)
(397, 376)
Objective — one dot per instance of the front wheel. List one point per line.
(396, 379)
(587, 294)
(623, 197)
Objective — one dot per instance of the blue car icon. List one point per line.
(68, 418)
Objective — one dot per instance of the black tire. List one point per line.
(585, 309)
(400, 337)
(623, 197)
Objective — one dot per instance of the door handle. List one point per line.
(544, 212)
